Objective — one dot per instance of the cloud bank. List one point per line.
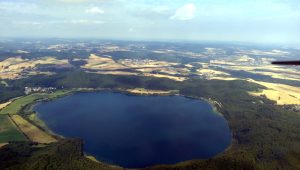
(186, 12)
(248, 20)
(94, 10)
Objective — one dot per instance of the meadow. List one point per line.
(9, 131)
(14, 127)
(16, 106)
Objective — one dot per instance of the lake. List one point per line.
(138, 131)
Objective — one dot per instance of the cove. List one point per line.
(138, 131)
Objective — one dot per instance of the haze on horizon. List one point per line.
(263, 21)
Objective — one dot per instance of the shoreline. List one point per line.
(41, 124)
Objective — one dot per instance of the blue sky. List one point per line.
(266, 21)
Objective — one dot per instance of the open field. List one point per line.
(211, 72)
(176, 78)
(145, 63)
(255, 126)
(32, 132)
(3, 105)
(17, 104)
(143, 91)
(281, 93)
(11, 124)
(17, 67)
(95, 62)
(8, 131)
(37, 121)
(279, 72)
(223, 78)
(265, 132)
(106, 65)
(279, 75)
(214, 74)
(114, 72)
(261, 66)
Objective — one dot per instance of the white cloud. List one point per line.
(83, 21)
(94, 10)
(186, 12)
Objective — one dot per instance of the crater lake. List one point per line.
(138, 131)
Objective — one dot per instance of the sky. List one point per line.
(260, 21)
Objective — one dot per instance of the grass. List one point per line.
(16, 106)
(32, 132)
(3, 105)
(8, 131)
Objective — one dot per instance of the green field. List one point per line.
(18, 104)
(8, 131)
(265, 135)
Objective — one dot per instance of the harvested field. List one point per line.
(224, 78)
(32, 132)
(211, 72)
(165, 76)
(148, 92)
(14, 67)
(281, 93)
(95, 62)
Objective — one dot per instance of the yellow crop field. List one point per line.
(32, 132)
(281, 93)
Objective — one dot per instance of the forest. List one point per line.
(265, 136)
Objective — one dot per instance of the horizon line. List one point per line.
(155, 40)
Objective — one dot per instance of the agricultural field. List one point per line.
(280, 93)
(144, 67)
(14, 127)
(18, 104)
(9, 131)
(142, 91)
(259, 100)
(17, 67)
(32, 132)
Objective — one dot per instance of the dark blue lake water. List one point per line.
(138, 131)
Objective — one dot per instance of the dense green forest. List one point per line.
(265, 136)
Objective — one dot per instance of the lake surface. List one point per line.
(138, 131)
